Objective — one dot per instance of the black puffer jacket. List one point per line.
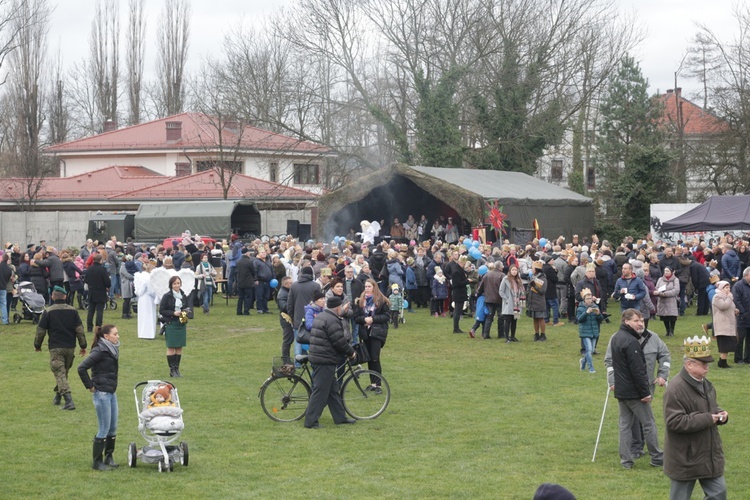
(629, 365)
(104, 368)
(328, 343)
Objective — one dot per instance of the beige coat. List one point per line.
(725, 322)
(667, 300)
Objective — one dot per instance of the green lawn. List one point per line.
(468, 418)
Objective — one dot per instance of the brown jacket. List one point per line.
(692, 445)
(490, 287)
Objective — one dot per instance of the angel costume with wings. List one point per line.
(370, 231)
(156, 286)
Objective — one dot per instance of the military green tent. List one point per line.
(399, 191)
(155, 221)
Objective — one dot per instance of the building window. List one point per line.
(273, 172)
(557, 171)
(591, 178)
(182, 168)
(203, 165)
(306, 174)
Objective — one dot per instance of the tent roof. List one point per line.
(505, 186)
(718, 213)
(153, 220)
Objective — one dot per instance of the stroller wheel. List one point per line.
(162, 466)
(171, 465)
(113, 305)
(185, 455)
(17, 318)
(35, 319)
(132, 455)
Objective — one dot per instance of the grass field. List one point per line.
(468, 418)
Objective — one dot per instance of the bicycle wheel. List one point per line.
(360, 400)
(285, 399)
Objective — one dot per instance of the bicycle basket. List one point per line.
(282, 367)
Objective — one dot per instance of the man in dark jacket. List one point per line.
(285, 320)
(6, 275)
(551, 295)
(328, 347)
(353, 289)
(490, 288)
(669, 260)
(692, 444)
(300, 294)
(55, 267)
(700, 278)
(741, 295)
(730, 264)
(632, 388)
(64, 326)
(263, 275)
(629, 289)
(246, 281)
(97, 279)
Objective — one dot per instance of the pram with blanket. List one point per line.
(160, 423)
(32, 303)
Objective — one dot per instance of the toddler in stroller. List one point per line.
(160, 423)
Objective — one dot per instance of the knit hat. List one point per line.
(234, 237)
(306, 271)
(549, 491)
(317, 295)
(334, 301)
(395, 287)
(60, 289)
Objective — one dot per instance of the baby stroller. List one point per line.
(32, 303)
(160, 423)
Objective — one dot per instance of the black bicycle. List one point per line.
(284, 396)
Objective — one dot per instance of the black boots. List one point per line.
(99, 445)
(723, 364)
(174, 365)
(57, 398)
(109, 448)
(69, 405)
(536, 337)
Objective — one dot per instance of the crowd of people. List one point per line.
(338, 300)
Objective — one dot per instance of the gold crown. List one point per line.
(697, 347)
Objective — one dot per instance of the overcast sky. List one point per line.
(668, 25)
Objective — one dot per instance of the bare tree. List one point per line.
(134, 59)
(26, 98)
(104, 65)
(173, 40)
(59, 113)
(85, 117)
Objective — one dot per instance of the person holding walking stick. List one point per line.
(658, 364)
(631, 388)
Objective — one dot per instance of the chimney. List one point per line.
(174, 131)
(110, 125)
(669, 91)
(232, 126)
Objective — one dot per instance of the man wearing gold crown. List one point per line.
(692, 445)
(632, 388)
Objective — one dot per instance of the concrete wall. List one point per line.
(68, 229)
(60, 229)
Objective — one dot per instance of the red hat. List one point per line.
(234, 237)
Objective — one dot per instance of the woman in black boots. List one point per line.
(173, 309)
(667, 293)
(103, 362)
(725, 321)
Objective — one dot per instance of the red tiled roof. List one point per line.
(138, 183)
(697, 121)
(97, 184)
(199, 132)
(207, 185)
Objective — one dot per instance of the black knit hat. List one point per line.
(307, 271)
(334, 301)
(318, 294)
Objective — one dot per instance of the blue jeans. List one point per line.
(231, 276)
(555, 305)
(299, 348)
(588, 344)
(262, 291)
(208, 293)
(105, 404)
(115, 288)
(3, 307)
(355, 331)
